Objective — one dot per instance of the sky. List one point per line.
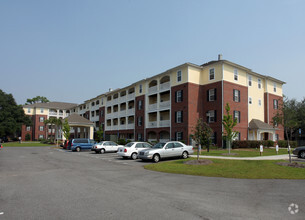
(75, 50)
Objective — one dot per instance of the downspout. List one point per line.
(222, 78)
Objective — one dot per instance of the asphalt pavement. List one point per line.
(48, 183)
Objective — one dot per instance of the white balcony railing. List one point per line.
(130, 96)
(153, 89)
(52, 113)
(115, 101)
(108, 128)
(165, 86)
(109, 103)
(95, 118)
(109, 115)
(130, 111)
(164, 123)
(165, 104)
(122, 113)
(123, 99)
(130, 126)
(115, 114)
(122, 127)
(115, 127)
(152, 124)
(152, 107)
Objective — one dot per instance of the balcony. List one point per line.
(164, 123)
(130, 126)
(152, 107)
(130, 111)
(122, 113)
(152, 89)
(164, 86)
(122, 127)
(165, 104)
(95, 118)
(108, 128)
(123, 99)
(108, 115)
(152, 124)
(115, 127)
(115, 114)
(130, 96)
(115, 101)
(53, 113)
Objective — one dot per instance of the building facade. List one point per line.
(168, 105)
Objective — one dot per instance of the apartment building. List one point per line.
(167, 106)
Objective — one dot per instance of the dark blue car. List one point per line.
(79, 144)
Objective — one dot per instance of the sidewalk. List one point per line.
(274, 157)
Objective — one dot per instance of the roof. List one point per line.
(77, 119)
(258, 124)
(54, 105)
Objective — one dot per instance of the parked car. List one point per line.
(132, 148)
(105, 146)
(165, 150)
(79, 144)
(299, 151)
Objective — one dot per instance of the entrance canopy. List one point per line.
(259, 130)
(80, 126)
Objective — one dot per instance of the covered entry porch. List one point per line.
(80, 127)
(259, 130)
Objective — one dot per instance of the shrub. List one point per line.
(252, 144)
(121, 142)
(284, 144)
(27, 137)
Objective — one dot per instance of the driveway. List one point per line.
(47, 183)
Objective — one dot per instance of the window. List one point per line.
(41, 136)
(140, 105)
(214, 138)
(97, 102)
(274, 87)
(92, 113)
(28, 128)
(179, 117)
(236, 95)
(250, 100)
(259, 83)
(41, 119)
(235, 75)
(102, 113)
(277, 138)
(29, 110)
(140, 121)
(275, 104)
(41, 110)
(140, 88)
(139, 137)
(212, 74)
(237, 138)
(259, 102)
(179, 76)
(211, 95)
(178, 136)
(211, 116)
(102, 101)
(250, 80)
(237, 115)
(177, 145)
(40, 128)
(93, 104)
(179, 96)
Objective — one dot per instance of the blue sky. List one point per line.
(74, 50)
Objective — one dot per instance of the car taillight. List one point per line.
(125, 150)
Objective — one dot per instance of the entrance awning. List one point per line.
(258, 129)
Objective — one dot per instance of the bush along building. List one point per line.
(167, 106)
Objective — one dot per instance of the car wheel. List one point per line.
(156, 158)
(134, 156)
(185, 155)
(102, 151)
(302, 154)
(78, 149)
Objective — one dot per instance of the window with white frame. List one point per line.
(29, 110)
(236, 95)
(41, 119)
(179, 96)
(250, 80)
(140, 88)
(40, 128)
(274, 87)
(211, 116)
(275, 104)
(140, 105)
(179, 77)
(237, 115)
(28, 128)
(250, 100)
(140, 121)
(179, 136)
(40, 136)
(259, 83)
(179, 117)
(235, 75)
(259, 102)
(41, 110)
(212, 74)
(211, 95)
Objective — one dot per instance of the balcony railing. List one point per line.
(109, 115)
(123, 99)
(52, 113)
(95, 118)
(108, 128)
(130, 96)
(109, 103)
(153, 89)
(152, 124)
(152, 107)
(115, 127)
(165, 104)
(130, 126)
(165, 86)
(115, 114)
(130, 111)
(164, 123)
(122, 127)
(123, 112)
(115, 101)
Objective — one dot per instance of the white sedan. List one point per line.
(105, 146)
(131, 149)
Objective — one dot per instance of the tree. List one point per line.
(202, 135)
(12, 116)
(66, 129)
(229, 122)
(27, 137)
(55, 124)
(100, 133)
(37, 99)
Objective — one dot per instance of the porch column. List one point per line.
(91, 132)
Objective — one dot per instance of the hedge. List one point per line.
(252, 144)
(283, 143)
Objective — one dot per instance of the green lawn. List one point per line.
(243, 152)
(243, 169)
(24, 144)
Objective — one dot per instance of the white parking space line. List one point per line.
(1, 213)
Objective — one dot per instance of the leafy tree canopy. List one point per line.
(37, 99)
(12, 116)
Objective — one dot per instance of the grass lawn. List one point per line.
(243, 169)
(24, 144)
(243, 152)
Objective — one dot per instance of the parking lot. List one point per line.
(48, 183)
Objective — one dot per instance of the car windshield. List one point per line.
(101, 142)
(159, 145)
(129, 144)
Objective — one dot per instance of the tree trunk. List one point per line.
(199, 147)
(288, 147)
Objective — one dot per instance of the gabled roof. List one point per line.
(258, 124)
(54, 105)
(77, 119)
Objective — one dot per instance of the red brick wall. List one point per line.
(102, 118)
(37, 124)
(241, 106)
(138, 113)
